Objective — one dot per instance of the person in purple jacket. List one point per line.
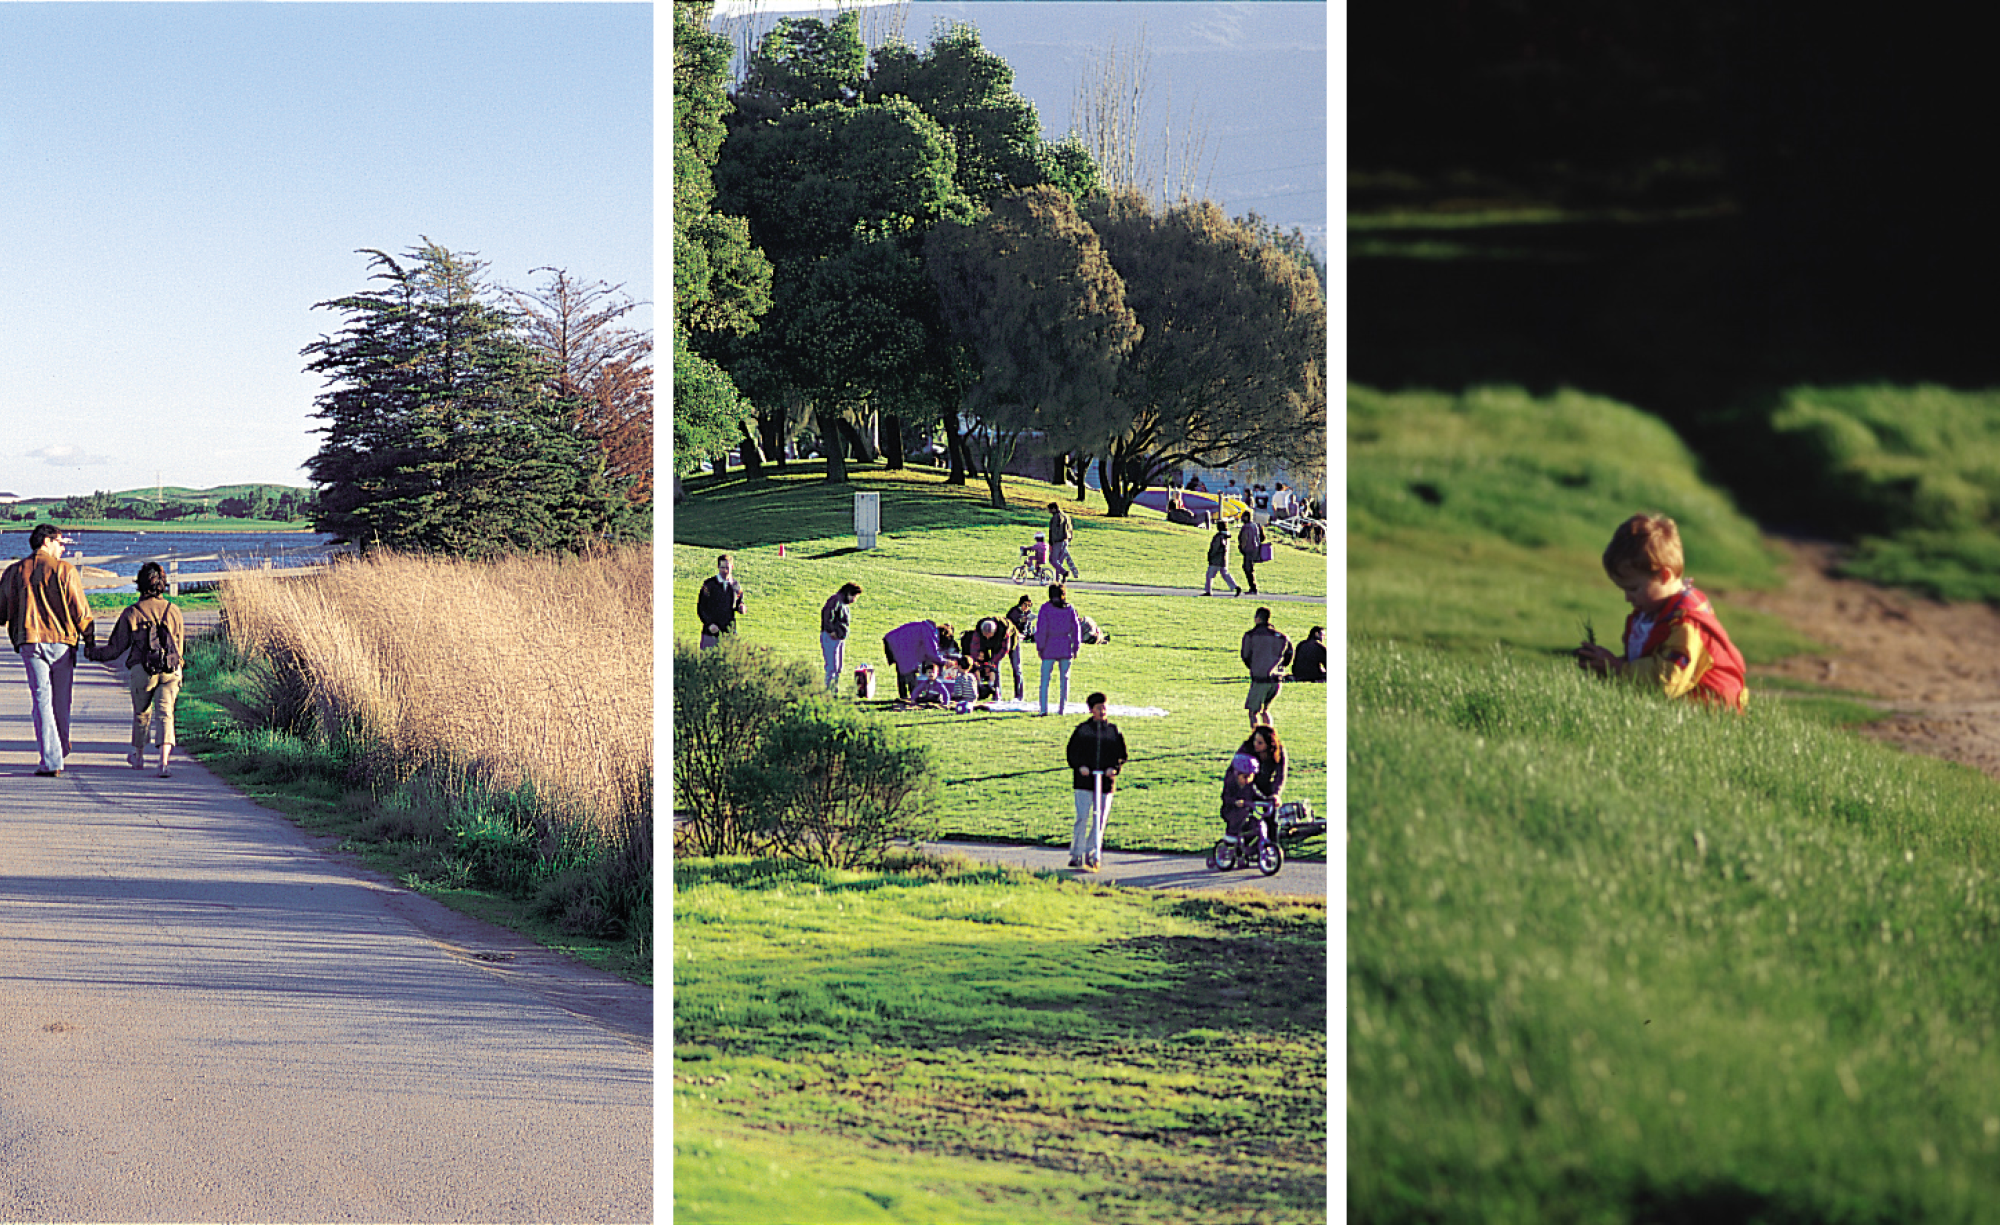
(1058, 633)
(910, 646)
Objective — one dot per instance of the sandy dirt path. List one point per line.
(1935, 667)
(208, 1015)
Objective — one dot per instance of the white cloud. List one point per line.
(63, 455)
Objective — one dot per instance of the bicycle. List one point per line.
(1258, 847)
(1031, 570)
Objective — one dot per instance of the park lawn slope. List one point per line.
(973, 1044)
(1610, 957)
(1005, 774)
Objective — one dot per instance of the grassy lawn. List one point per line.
(1611, 958)
(1005, 771)
(975, 1044)
(951, 1043)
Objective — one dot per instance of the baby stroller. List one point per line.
(1034, 569)
(1258, 846)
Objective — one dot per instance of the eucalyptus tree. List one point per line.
(1031, 293)
(1232, 365)
(444, 429)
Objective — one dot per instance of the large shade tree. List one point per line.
(444, 428)
(1232, 366)
(722, 282)
(842, 169)
(1029, 290)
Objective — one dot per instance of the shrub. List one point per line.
(836, 788)
(725, 700)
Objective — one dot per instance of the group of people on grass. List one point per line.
(49, 623)
(935, 665)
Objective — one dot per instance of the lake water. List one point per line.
(123, 552)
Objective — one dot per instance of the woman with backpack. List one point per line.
(149, 640)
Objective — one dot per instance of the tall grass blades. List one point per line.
(532, 671)
(1616, 958)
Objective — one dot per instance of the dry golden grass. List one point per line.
(527, 670)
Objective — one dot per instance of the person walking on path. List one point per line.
(834, 620)
(149, 640)
(720, 603)
(1265, 652)
(1022, 618)
(1061, 532)
(1218, 561)
(1249, 540)
(1058, 634)
(46, 614)
(1096, 754)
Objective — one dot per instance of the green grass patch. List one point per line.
(1005, 776)
(971, 1043)
(1481, 518)
(1614, 958)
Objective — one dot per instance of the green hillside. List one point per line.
(1612, 958)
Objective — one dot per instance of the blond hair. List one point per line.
(1644, 543)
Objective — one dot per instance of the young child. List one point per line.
(1038, 552)
(1672, 638)
(1238, 794)
(929, 689)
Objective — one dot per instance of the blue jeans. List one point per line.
(1062, 694)
(1059, 558)
(51, 673)
(834, 650)
(1014, 658)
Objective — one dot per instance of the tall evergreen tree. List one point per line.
(442, 429)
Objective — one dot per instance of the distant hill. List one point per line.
(178, 493)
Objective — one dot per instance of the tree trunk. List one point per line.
(831, 446)
(753, 463)
(892, 429)
(771, 431)
(955, 449)
(998, 453)
(1114, 474)
(1082, 472)
(864, 449)
(1059, 468)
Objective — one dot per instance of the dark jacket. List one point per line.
(1236, 800)
(1270, 780)
(835, 616)
(1309, 661)
(1266, 652)
(1095, 746)
(978, 648)
(1218, 549)
(719, 603)
(1060, 527)
(1023, 621)
(1248, 537)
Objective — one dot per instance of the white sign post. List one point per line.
(867, 518)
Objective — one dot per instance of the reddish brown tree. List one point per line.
(605, 371)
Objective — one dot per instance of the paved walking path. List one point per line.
(1077, 584)
(1148, 870)
(207, 1014)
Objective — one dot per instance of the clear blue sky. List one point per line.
(180, 183)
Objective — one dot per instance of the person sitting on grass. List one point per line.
(1309, 658)
(1239, 793)
(929, 688)
(1673, 641)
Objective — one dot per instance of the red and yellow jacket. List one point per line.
(1687, 653)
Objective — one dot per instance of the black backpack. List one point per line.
(157, 652)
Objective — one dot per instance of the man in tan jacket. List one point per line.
(46, 615)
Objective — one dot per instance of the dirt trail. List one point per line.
(1935, 666)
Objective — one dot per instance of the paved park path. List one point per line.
(207, 1014)
(1146, 869)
